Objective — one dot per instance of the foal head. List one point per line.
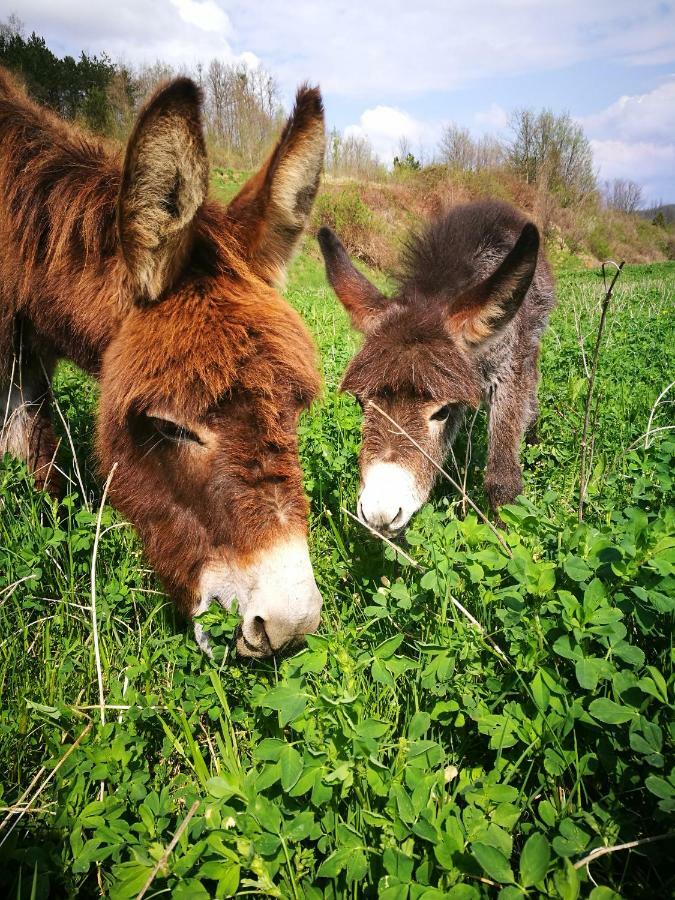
(203, 384)
(420, 365)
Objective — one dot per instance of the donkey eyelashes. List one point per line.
(171, 431)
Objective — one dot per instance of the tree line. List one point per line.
(242, 105)
(243, 113)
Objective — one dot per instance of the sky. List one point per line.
(395, 68)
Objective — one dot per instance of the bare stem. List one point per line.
(167, 853)
(383, 538)
(94, 619)
(465, 612)
(584, 462)
(649, 431)
(629, 845)
(44, 784)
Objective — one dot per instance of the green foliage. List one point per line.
(344, 210)
(397, 755)
(407, 163)
(74, 89)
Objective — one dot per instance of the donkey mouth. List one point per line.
(389, 529)
(262, 649)
(259, 650)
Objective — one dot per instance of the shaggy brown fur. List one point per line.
(464, 326)
(167, 298)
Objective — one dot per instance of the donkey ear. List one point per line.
(360, 298)
(482, 311)
(164, 182)
(271, 210)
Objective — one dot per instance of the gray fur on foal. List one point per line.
(464, 327)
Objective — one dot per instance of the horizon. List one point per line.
(391, 74)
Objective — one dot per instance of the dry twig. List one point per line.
(586, 458)
(167, 853)
(44, 784)
(629, 845)
(464, 611)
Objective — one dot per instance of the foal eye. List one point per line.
(173, 432)
(441, 414)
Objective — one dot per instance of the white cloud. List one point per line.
(635, 138)
(392, 48)
(379, 50)
(385, 126)
(642, 117)
(640, 161)
(180, 32)
(495, 118)
(205, 14)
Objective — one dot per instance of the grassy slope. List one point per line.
(398, 751)
(372, 217)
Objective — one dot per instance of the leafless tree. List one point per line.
(489, 153)
(11, 26)
(351, 157)
(460, 151)
(623, 194)
(552, 147)
(457, 149)
(243, 110)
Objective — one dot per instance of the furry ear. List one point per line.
(270, 212)
(360, 298)
(483, 310)
(164, 182)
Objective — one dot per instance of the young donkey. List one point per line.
(168, 299)
(464, 327)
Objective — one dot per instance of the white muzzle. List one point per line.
(389, 497)
(277, 598)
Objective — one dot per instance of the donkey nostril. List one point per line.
(258, 634)
(259, 627)
(396, 521)
(362, 515)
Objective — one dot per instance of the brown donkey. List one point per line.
(464, 327)
(168, 299)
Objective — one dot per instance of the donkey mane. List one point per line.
(457, 248)
(60, 187)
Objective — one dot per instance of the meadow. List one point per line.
(405, 752)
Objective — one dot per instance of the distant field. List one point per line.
(398, 755)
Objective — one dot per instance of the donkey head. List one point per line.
(419, 368)
(203, 384)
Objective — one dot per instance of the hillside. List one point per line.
(372, 217)
(666, 210)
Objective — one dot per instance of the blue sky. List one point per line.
(393, 68)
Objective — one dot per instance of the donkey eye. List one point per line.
(441, 414)
(173, 432)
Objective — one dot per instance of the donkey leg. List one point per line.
(532, 409)
(26, 429)
(508, 416)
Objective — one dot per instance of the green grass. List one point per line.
(398, 755)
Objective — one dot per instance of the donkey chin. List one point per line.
(390, 495)
(278, 600)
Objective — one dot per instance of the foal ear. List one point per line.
(271, 210)
(164, 182)
(482, 311)
(360, 298)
